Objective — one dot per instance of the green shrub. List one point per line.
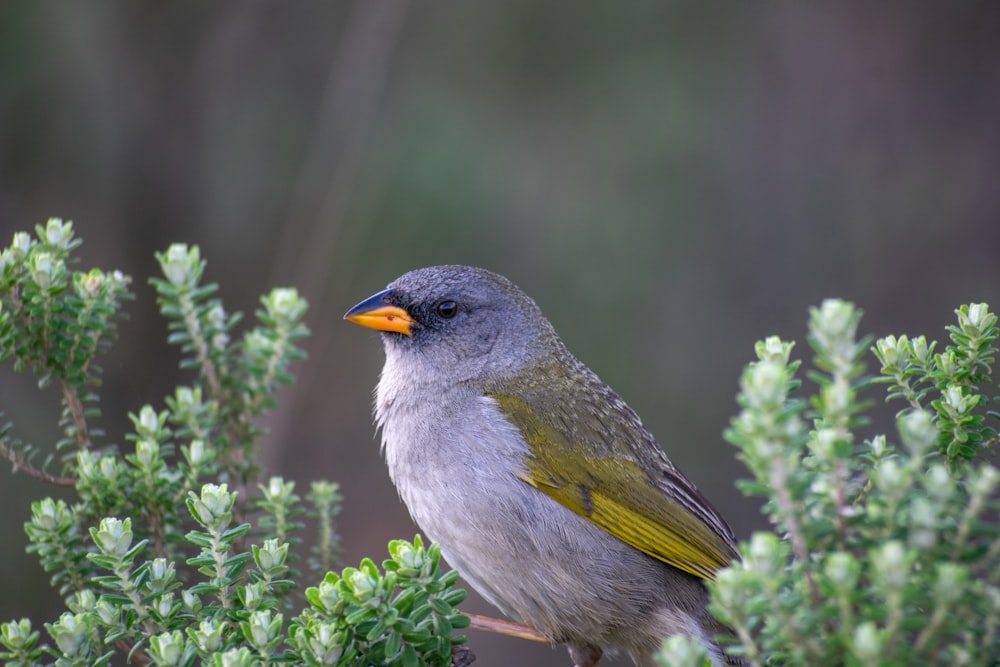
(163, 556)
(885, 551)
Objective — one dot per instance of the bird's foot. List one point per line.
(585, 655)
(462, 656)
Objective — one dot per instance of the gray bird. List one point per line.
(542, 486)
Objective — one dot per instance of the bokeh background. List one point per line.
(671, 181)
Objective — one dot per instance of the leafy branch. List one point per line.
(883, 553)
(157, 558)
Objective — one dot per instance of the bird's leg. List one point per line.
(585, 655)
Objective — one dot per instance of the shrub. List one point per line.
(163, 555)
(885, 551)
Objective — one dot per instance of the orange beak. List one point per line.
(376, 313)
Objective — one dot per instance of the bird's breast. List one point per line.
(440, 448)
(456, 464)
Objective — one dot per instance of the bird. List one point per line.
(541, 485)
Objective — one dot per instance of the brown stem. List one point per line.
(156, 529)
(20, 465)
(509, 628)
(201, 346)
(138, 656)
(72, 400)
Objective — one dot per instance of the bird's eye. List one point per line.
(447, 309)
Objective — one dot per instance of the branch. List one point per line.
(20, 465)
(72, 400)
(508, 628)
(794, 530)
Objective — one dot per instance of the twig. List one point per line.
(794, 531)
(508, 628)
(201, 346)
(136, 655)
(72, 400)
(937, 618)
(20, 465)
(156, 530)
(748, 642)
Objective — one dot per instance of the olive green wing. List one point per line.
(650, 506)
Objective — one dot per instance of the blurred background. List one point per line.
(671, 181)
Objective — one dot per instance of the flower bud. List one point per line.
(196, 453)
(191, 602)
(146, 452)
(842, 570)
(894, 354)
(920, 350)
(167, 647)
(916, 429)
(878, 446)
(114, 537)
(866, 644)
(165, 605)
(57, 233)
(69, 632)
(180, 265)
(939, 482)
(252, 596)
(974, 318)
(45, 269)
(20, 246)
(284, 304)
(208, 636)
(82, 601)
(17, 634)
(161, 574)
(88, 285)
(362, 584)
(51, 515)
(892, 565)
(264, 628)
(277, 490)
(271, 556)
(212, 508)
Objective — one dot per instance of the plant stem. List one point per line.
(72, 400)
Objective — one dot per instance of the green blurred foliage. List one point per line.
(671, 181)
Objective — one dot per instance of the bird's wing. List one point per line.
(652, 507)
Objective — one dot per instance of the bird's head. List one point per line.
(459, 322)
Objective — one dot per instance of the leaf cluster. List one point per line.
(238, 377)
(405, 615)
(234, 613)
(885, 551)
(54, 323)
(164, 555)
